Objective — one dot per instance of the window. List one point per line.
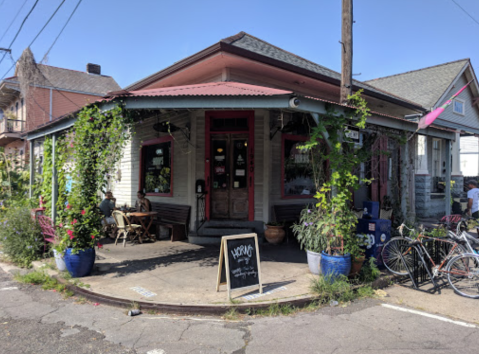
(297, 170)
(458, 106)
(156, 169)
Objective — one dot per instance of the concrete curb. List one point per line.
(178, 308)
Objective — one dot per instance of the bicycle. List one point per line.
(462, 268)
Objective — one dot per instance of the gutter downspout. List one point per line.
(51, 105)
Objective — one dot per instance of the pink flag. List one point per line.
(427, 120)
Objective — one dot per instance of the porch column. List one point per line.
(404, 178)
(421, 159)
(448, 177)
(32, 170)
(422, 179)
(54, 179)
(456, 155)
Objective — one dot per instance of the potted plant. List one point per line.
(334, 225)
(78, 234)
(312, 236)
(355, 247)
(274, 232)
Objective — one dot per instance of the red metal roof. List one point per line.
(208, 89)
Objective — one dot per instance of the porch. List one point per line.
(183, 273)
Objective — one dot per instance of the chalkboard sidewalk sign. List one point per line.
(239, 265)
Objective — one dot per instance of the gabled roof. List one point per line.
(208, 89)
(424, 86)
(250, 47)
(77, 80)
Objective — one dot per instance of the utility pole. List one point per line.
(346, 51)
(6, 50)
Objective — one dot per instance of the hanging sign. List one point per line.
(239, 264)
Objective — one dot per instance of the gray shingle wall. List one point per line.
(471, 117)
(423, 86)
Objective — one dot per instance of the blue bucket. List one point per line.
(335, 266)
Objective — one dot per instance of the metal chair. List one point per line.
(125, 228)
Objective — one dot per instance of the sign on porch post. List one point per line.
(239, 263)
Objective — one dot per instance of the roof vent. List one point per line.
(93, 69)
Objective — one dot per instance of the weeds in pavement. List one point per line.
(81, 300)
(231, 315)
(327, 289)
(39, 277)
(151, 312)
(235, 302)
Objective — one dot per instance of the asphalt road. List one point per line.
(36, 321)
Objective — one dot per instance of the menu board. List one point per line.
(239, 265)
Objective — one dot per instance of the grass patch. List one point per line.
(232, 315)
(39, 277)
(81, 300)
(151, 312)
(340, 289)
(235, 302)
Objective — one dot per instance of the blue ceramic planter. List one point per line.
(80, 264)
(335, 265)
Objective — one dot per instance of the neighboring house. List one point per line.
(431, 87)
(236, 113)
(53, 92)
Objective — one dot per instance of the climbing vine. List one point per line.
(335, 216)
(95, 144)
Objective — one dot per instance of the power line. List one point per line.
(467, 13)
(11, 23)
(59, 34)
(21, 26)
(46, 24)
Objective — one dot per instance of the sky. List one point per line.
(132, 39)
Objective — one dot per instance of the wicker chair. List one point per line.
(126, 228)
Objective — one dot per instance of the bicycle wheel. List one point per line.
(446, 249)
(463, 275)
(392, 252)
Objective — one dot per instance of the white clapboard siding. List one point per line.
(125, 189)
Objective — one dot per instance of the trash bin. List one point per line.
(378, 232)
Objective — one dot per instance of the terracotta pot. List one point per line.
(274, 234)
(356, 265)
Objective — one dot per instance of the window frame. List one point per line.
(160, 140)
(298, 138)
(463, 113)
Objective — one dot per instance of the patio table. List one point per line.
(141, 217)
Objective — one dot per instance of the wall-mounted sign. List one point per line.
(352, 133)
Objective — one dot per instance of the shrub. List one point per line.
(340, 289)
(20, 236)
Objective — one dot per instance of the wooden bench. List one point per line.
(175, 217)
(48, 230)
(288, 214)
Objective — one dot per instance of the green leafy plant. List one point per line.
(95, 145)
(312, 231)
(339, 290)
(20, 236)
(336, 221)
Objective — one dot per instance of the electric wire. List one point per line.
(20, 29)
(46, 24)
(11, 23)
(59, 34)
(464, 10)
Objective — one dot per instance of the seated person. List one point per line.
(142, 204)
(106, 208)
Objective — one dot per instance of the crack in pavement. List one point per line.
(187, 328)
(139, 337)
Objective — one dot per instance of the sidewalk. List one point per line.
(178, 274)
